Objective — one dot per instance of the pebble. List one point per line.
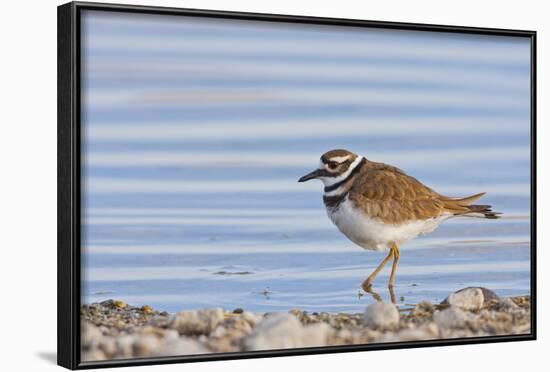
(112, 330)
(506, 304)
(198, 322)
(119, 304)
(125, 345)
(145, 345)
(181, 346)
(381, 315)
(284, 330)
(91, 335)
(108, 345)
(471, 298)
(147, 309)
(452, 317)
(426, 332)
(220, 331)
(423, 309)
(93, 355)
(488, 295)
(467, 299)
(251, 318)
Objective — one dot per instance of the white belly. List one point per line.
(371, 233)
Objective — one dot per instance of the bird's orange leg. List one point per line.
(374, 295)
(368, 283)
(396, 254)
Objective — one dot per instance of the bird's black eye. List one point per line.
(332, 164)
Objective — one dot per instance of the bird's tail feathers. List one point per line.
(470, 199)
(464, 207)
(482, 211)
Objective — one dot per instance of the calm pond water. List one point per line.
(195, 132)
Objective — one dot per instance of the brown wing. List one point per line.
(393, 196)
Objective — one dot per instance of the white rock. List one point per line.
(181, 346)
(125, 345)
(108, 345)
(251, 318)
(170, 334)
(467, 299)
(381, 315)
(93, 355)
(220, 331)
(161, 320)
(424, 308)
(506, 304)
(452, 317)
(91, 335)
(145, 345)
(426, 332)
(283, 330)
(315, 335)
(197, 322)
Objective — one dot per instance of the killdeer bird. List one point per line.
(379, 207)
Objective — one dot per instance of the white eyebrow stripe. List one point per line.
(329, 181)
(340, 159)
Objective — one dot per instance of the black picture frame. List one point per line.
(69, 185)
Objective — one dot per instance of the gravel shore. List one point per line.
(113, 329)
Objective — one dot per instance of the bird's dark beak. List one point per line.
(310, 176)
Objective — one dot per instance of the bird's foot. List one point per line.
(367, 285)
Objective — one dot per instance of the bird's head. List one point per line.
(334, 167)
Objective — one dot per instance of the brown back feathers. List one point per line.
(388, 193)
